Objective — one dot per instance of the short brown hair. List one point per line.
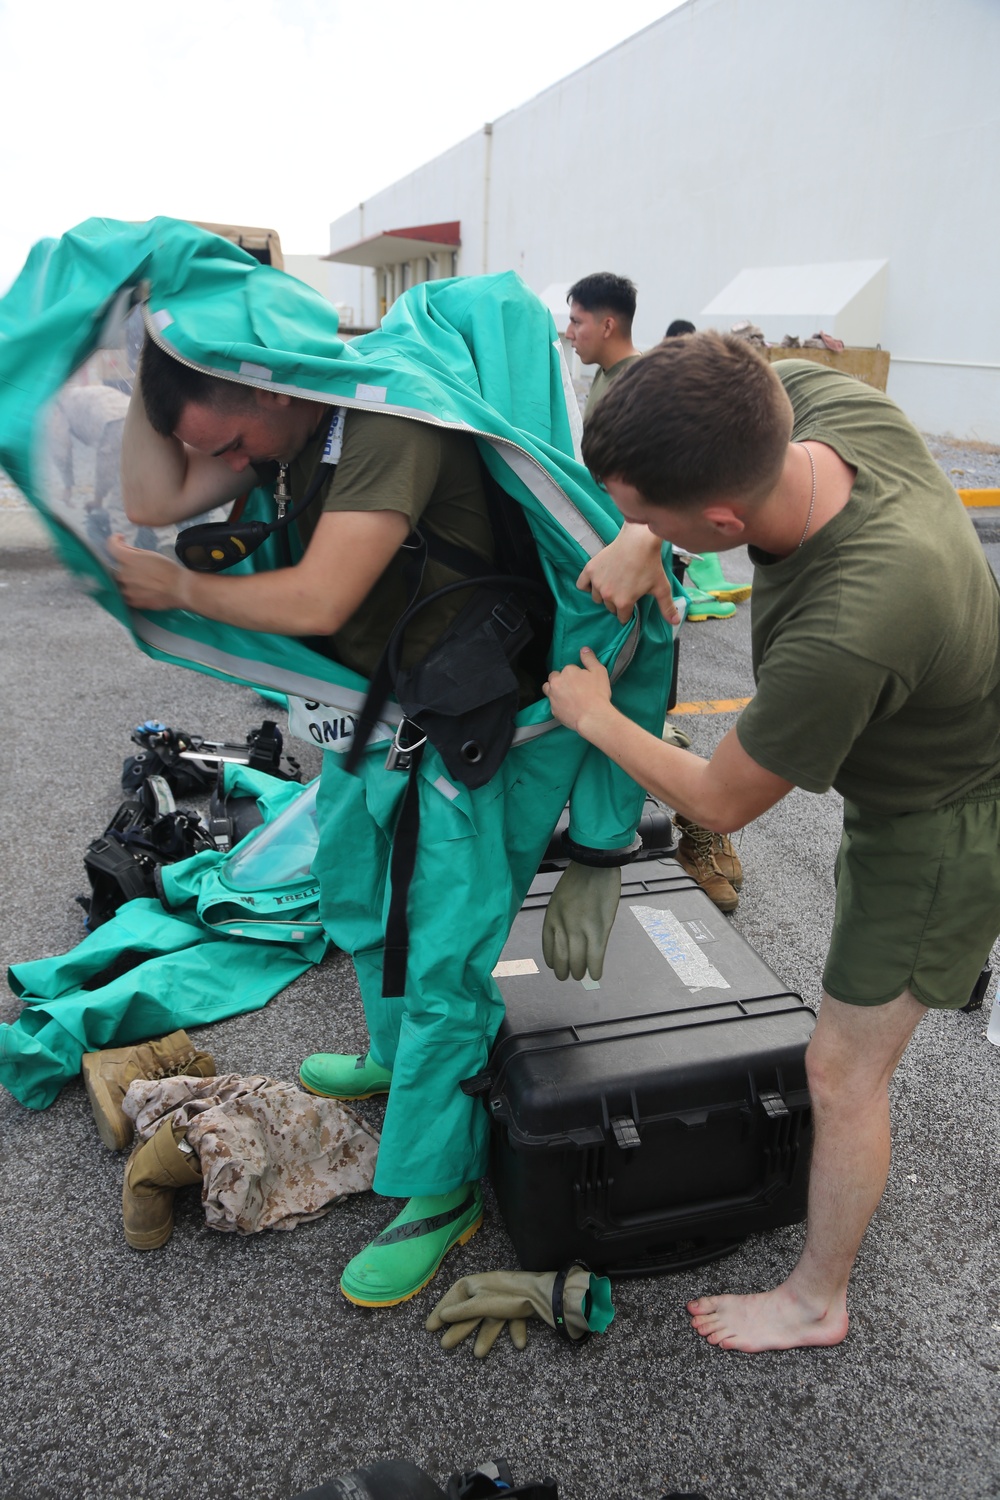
(696, 418)
(168, 386)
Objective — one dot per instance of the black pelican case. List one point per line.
(654, 1120)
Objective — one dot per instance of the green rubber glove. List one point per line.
(483, 1304)
(579, 918)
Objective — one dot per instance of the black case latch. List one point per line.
(625, 1132)
(774, 1106)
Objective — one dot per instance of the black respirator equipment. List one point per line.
(216, 545)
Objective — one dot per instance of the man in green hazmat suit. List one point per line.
(244, 370)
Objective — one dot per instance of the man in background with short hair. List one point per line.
(601, 309)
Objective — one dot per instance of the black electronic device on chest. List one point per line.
(652, 1121)
(213, 546)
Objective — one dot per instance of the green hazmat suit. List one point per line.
(479, 355)
(150, 970)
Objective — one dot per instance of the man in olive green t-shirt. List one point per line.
(876, 652)
(601, 309)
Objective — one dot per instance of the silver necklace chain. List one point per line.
(812, 497)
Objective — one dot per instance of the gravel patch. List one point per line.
(969, 466)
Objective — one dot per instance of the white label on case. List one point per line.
(679, 948)
(700, 932)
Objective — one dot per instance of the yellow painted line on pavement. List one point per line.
(980, 497)
(711, 706)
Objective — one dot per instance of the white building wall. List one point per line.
(737, 133)
(313, 270)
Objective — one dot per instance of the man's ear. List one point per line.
(728, 520)
(270, 399)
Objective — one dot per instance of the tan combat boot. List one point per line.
(696, 856)
(108, 1074)
(153, 1173)
(727, 859)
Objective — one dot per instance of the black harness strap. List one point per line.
(418, 547)
(506, 623)
(401, 866)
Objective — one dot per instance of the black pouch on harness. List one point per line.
(463, 695)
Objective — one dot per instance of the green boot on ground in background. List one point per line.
(107, 1075)
(705, 572)
(153, 1173)
(702, 606)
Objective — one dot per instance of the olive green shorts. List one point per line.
(918, 902)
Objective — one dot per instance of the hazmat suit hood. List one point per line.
(477, 354)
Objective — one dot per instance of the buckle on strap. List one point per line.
(509, 615)
(400, 757)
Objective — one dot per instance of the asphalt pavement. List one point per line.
(220, 1366)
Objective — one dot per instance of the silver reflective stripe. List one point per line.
(279, 679)
(572, 404)
(548, 494)
(247, 668)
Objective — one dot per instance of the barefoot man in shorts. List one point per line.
(876, 654)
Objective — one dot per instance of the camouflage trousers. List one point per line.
(271, 1156)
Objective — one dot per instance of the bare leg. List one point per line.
(853, 1054)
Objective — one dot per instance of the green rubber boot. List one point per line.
(344, 1075)
(704, 606)
(706, 574)
(401, 1260)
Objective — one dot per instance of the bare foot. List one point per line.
(767, 1320)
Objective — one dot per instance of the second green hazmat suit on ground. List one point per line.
(476, 356)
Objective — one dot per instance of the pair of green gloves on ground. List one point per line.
(575, 1302)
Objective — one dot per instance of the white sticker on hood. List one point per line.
(256, 372)
(161, 319)
(370, 393)
(679, 948)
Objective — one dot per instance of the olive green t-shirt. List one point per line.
(876, 645)
(430, 475)
(604, 379)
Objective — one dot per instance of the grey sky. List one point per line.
(276, 112)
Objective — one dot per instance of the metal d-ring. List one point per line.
(407, 749)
